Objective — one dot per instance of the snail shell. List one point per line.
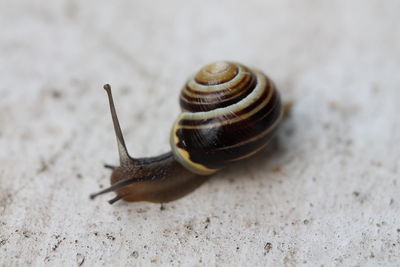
(229, 112)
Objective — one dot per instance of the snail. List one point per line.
(229, 112)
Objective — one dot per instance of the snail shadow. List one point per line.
(248, 167)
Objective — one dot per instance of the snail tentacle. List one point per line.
(124, 157)
(120, 184)
(108, 166)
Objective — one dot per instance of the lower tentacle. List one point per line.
(119, 185)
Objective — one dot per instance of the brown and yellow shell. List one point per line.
(229, 112)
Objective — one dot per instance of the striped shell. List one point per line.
(229, 112)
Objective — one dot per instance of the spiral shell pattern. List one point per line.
(229, 112)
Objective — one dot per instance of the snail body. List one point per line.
(229, 112)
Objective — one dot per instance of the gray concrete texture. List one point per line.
(325, 193)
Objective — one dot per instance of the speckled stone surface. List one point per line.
(325, 193)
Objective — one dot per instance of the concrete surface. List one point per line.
(327, 193)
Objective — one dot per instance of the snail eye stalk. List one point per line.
(124, 157)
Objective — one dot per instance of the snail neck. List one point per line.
(155, 159)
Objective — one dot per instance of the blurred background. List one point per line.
(326, 193)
